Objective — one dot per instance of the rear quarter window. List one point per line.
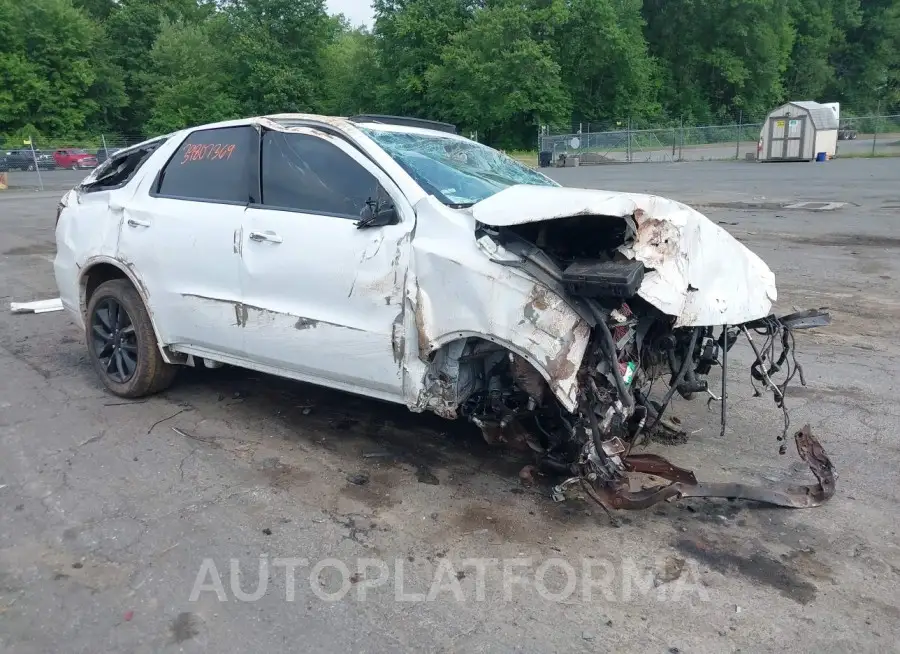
(119, 169)
(213, 165)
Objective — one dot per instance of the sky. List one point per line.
(358, 11)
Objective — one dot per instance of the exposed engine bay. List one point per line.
(633, 345)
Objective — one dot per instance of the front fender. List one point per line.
(508, 309)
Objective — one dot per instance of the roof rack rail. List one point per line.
(405, 121)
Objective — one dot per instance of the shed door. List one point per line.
(786, 135)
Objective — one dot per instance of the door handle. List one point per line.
(270, 237)
(134, 222)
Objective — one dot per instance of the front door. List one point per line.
(181, 233)
(324, 299)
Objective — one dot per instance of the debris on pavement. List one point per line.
(425, 476)
(40, 306)
(359, 479)
(684, 484)
(526, 475)
(672, 569)
(161, 420)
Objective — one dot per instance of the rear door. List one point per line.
(325, 299)
(180, 234)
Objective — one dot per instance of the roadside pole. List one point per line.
(737, 145)
(37, 166)
(874, 134)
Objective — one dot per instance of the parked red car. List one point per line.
(74, 158)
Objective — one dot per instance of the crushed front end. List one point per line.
(660, 307)
(628, 353)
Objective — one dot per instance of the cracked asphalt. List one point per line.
(110, 510)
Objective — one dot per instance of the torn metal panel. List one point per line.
(696, 271)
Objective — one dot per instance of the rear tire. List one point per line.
(122, 344)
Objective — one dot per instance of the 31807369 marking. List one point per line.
(208, 152)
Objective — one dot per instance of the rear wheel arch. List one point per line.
(104, 269)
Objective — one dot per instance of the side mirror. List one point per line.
(377, 214)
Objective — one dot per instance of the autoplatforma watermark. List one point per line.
(471, 579)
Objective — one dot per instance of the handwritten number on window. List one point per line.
(208, 152)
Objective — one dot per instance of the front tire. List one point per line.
(122, 344)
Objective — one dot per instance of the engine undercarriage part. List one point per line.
(631, 347)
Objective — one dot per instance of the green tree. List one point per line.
(277, 48)
(605, 61)
(409, 38)
(822, 27)
(868, 65)
(97, 9)
(720, 56)
(131, 30)
(48, 72)
(190, 80)
(494, 77)
(349, 70)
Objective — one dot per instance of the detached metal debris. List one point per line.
(40, 306)
(685, 484)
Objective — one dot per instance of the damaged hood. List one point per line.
(695, 270)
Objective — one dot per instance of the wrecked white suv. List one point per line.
(393, 258)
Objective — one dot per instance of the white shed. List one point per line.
(798, 131)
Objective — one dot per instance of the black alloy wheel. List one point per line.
(114, 340)
(122, 343)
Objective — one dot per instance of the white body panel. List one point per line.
(184, 253)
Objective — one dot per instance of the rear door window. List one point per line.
(213, 165)
(309, 174)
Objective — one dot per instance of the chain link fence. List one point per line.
(870, 136)
(858, 137)
(58, 164)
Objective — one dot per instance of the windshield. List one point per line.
(459, 172)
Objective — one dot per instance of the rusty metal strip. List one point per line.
(684, 484)
(653, 464)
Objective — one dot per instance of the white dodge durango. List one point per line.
(393, 258)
